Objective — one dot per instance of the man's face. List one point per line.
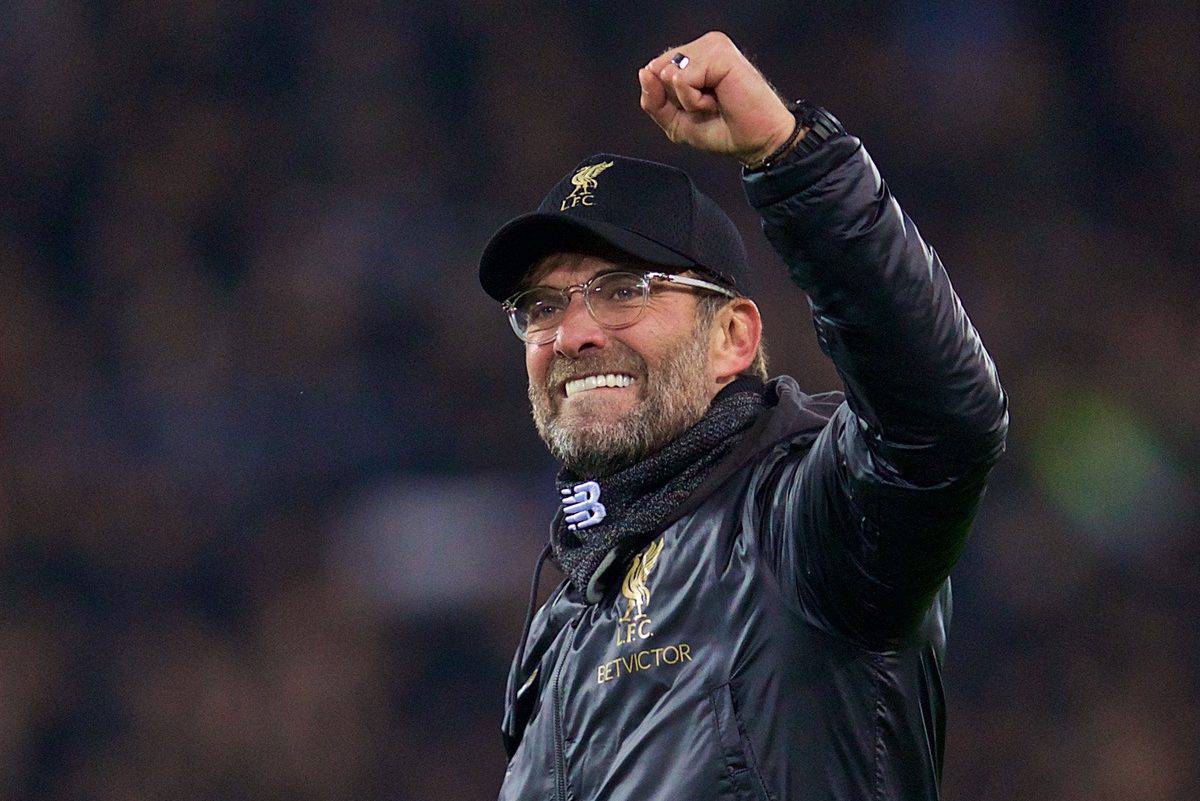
(596, 431)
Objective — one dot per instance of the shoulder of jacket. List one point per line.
(798, 414)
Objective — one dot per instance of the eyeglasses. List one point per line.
(613, 299)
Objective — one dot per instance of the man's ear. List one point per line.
(737, 331)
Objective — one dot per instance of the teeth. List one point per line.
(593, 381)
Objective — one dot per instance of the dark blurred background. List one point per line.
(269, 490)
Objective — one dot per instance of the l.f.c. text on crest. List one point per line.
(585, 183)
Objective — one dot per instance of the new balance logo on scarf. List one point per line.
(581, 505)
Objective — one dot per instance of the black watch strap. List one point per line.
(822, 126)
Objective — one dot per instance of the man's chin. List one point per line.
(594, 455)
(593, 432)
(594, 443)
(590, 412)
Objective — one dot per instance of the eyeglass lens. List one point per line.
(613, 299)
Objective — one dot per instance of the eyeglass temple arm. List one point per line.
(696, 282)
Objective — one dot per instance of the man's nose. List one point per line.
(578, 331)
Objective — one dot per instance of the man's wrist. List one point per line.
(778, 143)
(780, 147)
(814, 126)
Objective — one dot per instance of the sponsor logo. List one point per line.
(643, 660)
(584, 181)
(581, 505)
(634, 625)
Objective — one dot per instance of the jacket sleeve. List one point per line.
(868, 522)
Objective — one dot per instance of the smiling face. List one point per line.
(602, 398)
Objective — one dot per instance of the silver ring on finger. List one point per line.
(680, 60)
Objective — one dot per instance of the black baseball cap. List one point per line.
(619, 206)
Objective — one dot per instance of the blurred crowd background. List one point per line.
(269, 490)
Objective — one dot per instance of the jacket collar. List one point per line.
(790, 415)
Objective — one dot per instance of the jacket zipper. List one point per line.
(560, 748)
(560, 757)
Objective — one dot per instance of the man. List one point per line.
(756, 598)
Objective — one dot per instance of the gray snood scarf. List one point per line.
(601, 521)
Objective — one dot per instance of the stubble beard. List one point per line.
(672, 399)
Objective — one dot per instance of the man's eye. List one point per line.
(621, 293)
(542, 311)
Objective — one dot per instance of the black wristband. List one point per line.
(822, 126)
(770, 159)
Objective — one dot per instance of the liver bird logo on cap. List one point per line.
(584, 181)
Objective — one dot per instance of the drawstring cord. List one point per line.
(516, 677)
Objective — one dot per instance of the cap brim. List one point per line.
(523, 241)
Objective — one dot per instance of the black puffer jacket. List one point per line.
(783, 638)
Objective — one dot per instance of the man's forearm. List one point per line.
(914, 367)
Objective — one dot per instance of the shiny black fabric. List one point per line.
(784, 637)
(645, 497)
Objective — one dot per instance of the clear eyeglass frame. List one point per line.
(626, 314)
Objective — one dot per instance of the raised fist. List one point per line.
(712, 98)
